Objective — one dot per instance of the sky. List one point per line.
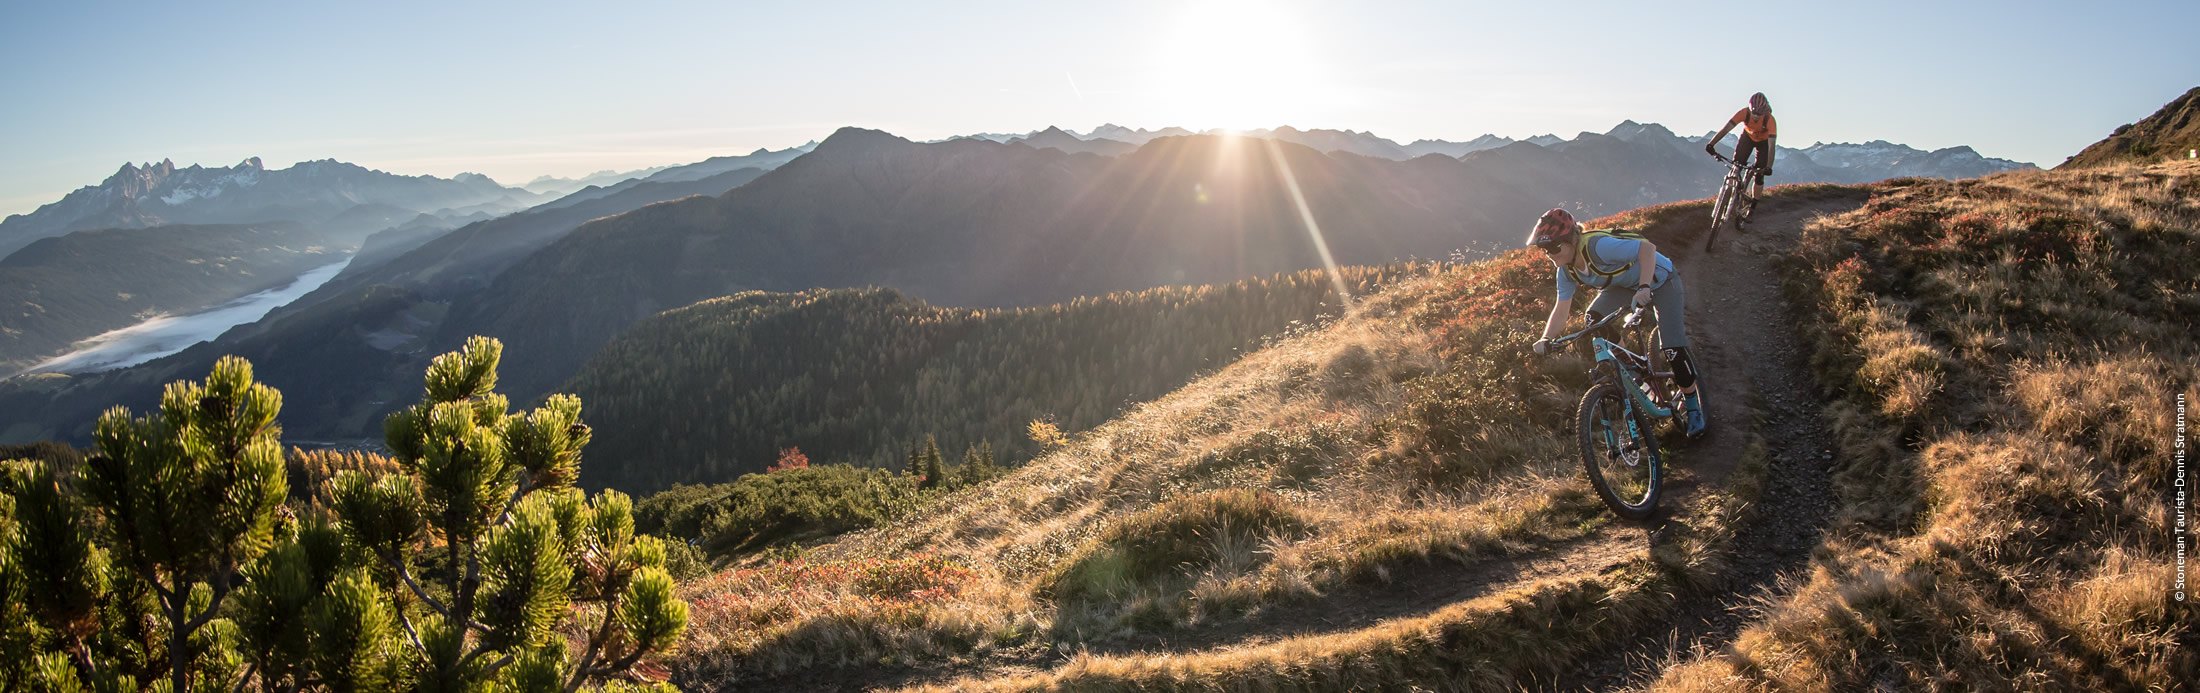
(519, 90)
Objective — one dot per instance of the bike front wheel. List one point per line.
(1620, 451)
(1721, 207)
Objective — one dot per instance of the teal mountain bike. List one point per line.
(1629, 394)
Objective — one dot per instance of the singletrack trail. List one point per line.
(1757, 383)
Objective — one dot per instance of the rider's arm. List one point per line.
(1713, 145)
(1772, 144)
(1647, 262)
(1557, 321)
(1561, 304)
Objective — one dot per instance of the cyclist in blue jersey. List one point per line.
(1613, 263)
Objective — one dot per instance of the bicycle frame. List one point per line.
(1624, 368)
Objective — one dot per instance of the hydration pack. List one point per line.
(1582, 249)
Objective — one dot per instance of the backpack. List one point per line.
(1582, 248)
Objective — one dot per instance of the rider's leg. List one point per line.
(1672, 302)
(1742, 149)
(1764, 154)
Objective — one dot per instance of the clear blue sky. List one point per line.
(525, 89)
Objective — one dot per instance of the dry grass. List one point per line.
(1514, 638)
(2006, 353)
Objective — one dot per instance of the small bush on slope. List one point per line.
(1214, 530)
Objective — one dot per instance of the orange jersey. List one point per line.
(1755, 128)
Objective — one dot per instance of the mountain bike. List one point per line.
(1738, 179)
(1617, 422)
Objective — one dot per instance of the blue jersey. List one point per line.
(1607, 255)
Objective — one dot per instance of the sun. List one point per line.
(1238, 65)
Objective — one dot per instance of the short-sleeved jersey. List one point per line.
(1606, 257)
(1755, 128)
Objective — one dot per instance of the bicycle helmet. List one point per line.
(1758, 102)
(1554, 227)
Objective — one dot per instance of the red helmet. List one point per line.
(1554, 227)
(1757, 101)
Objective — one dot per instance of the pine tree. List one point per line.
(521, 547)
(188, 498)
(977, 465)
(171, 558)
(931, 465)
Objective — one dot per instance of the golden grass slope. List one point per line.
(2006, 356)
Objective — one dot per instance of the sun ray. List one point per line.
(1306, 217)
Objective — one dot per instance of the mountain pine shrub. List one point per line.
(467, 561)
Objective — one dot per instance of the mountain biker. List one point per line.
(1759, 131)
(1610, 264)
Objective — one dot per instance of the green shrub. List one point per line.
(168, 556)
(1170, 540)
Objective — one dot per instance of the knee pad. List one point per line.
(1684, 368)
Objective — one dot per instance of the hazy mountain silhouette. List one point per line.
(312, 192)
(1056, 139)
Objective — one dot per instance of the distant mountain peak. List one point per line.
(1630, 130)
(154, 194)
(855, 139)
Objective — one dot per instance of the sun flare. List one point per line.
(1238, 65)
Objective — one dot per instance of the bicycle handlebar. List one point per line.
(1634, 317)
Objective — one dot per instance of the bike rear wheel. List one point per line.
(1620, 451)
(1743, 207)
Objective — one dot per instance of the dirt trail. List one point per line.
(1744, 339)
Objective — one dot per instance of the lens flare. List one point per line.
(1306, 216)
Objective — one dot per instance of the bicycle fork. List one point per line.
(1628, 450)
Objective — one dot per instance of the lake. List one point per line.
(168, 334)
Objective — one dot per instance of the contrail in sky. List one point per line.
(1073, 86)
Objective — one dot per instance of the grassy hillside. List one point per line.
(63, 289)
(1412, 440)
(859, 376)
(2171, 133)
(2005, 357)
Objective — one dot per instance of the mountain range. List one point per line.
(1836, 162)
(312, 192)
(969, 222)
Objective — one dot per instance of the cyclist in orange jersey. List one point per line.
(1759, 131)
